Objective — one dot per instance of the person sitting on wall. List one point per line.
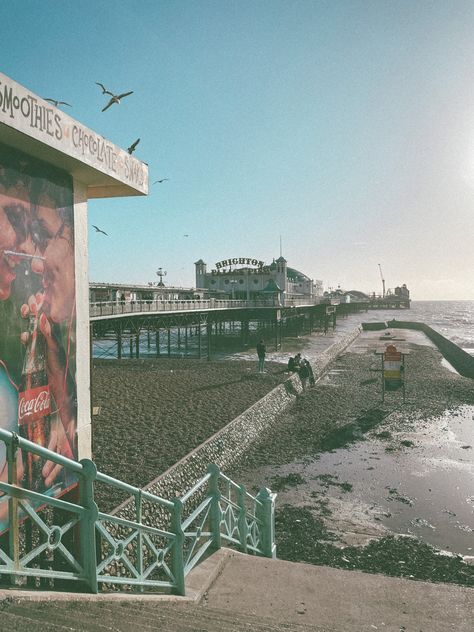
(311, 379)
(291, 365)
(304, 373)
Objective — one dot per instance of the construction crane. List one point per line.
(383, 281)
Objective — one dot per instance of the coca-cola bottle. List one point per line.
(34, 403)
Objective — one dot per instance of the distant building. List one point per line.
(250, 279)
(128, 292)
(402, 291)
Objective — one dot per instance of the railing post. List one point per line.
(177, 560)
(266, 514)
(215, 494)
(13, 535)
(138, 517)
(243, 529)
(87, 525)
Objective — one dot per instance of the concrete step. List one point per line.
(133, 617)
(19, 623)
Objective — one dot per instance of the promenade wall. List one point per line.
(226, 446)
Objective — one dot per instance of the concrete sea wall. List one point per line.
(457, 357)
(226, 446)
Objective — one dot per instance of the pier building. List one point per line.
(248, 278)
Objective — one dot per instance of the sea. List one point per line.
(452, 319)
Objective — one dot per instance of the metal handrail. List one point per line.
(121, 548)
(116, 308)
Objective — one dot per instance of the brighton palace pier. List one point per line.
(240, 298)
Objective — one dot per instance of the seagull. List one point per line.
(115, 98)
(98, 230)
(185, 235)
(132, 147)
(104, 89)
(160, 181)
(58, 103)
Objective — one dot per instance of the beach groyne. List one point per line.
(227, 446)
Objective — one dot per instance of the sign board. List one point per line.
(392, 372)
(83, 152)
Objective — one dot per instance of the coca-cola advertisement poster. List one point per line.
(37, 320)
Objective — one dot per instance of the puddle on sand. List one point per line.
(416, 479)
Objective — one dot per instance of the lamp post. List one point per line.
(161, 273)
(233, 283)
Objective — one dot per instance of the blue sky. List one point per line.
(345, 127)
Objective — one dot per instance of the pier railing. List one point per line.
(50, 539)
(103, 309)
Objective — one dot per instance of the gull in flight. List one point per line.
(98, 230)
(104, 89)
(115, 98)
(160, 181)
(58, 103)
(132, 147)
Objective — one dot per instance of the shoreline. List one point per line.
(321, 518)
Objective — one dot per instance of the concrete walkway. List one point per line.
(233, 592)
(339, 600)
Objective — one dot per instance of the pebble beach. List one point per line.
(166, 408)
(151, 413)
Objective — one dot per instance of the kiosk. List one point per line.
(50, 165)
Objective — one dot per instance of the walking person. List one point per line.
(261, 350)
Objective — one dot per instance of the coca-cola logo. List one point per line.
(34, 404)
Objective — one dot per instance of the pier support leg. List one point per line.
(169, 342)
(119, 341)
(209, 333)
(157, 343)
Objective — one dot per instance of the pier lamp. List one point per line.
(161, 273)
(233, 283)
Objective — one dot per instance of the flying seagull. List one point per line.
(160, 181)
(115, 98)
(104, 89)
(58, 103)
(98, 230)
(185, 235)
(132, 147)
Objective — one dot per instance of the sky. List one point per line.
(346, 128)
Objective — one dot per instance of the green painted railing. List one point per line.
(51, 542)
